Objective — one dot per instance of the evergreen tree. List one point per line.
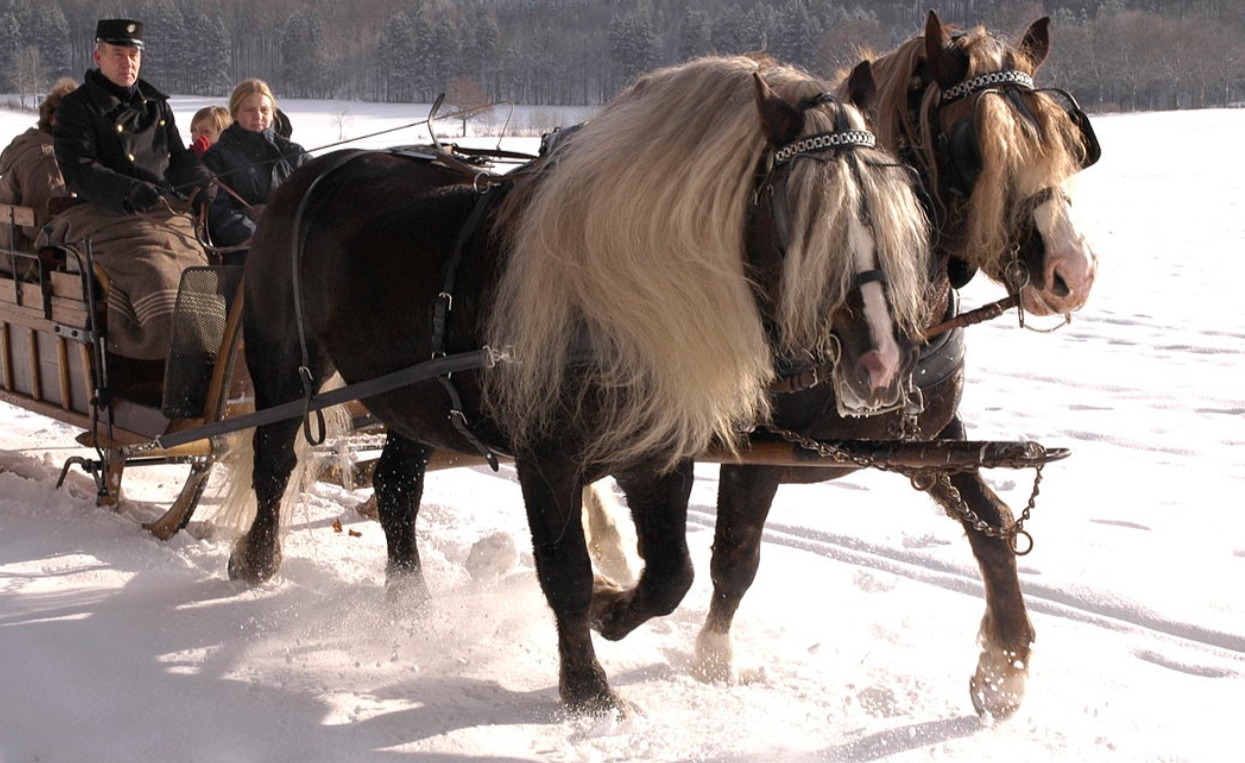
(631, 45)
(396, 59)
(209, 56)
(304, 62)
(45, 28)
(10, 38)
(796, 35)
(165, 46)
(695, 35)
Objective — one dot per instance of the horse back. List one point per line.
(368, 236)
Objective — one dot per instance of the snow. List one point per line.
(858, 637)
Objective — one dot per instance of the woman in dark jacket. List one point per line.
(251, 159)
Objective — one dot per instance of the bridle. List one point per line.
(841, 138)
(957, 153)
(807, 371)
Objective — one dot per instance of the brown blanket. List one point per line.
(143, 256)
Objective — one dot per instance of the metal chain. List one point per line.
(925, 480)
(960, 511)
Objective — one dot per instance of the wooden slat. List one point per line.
(62, 373)
(6, 357)
(30, 292)
(22, 216)
(82, 421)
(32, 350)
(67, 285)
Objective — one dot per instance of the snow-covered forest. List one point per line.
(1112, 54)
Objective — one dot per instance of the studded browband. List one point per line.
(1007, 77)
(823, 142)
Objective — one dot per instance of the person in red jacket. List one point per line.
(206, 126)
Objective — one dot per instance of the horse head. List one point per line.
(1004, 149)
(996, 152)
(837, 224)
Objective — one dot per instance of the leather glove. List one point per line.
(142, 197)
(201, 198)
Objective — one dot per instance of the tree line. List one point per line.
(1112, 54)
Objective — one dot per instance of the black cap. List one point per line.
(120, 32)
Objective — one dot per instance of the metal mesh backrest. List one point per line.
(203, 300)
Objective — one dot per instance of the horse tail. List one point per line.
(608, 541)
(237, 507)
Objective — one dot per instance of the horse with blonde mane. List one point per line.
(995, 152)
(639, 287)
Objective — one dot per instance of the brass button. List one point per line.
(120, 127)
(162, 123)
(131, 156)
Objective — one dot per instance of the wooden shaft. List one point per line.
(945, 454)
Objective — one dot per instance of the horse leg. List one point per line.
(256, 556)
(1006, 635)
(399, 483)
(745, 494)
(659, 509)
(553, 496)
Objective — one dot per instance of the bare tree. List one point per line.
(29, 75)
(466, 98)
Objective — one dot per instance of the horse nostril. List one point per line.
(874, 371)
(1060, 286)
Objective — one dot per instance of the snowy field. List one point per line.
(860, 628)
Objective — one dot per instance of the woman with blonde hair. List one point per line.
(250, 160)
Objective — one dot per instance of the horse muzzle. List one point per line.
(876, 382)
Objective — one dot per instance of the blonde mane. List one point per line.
(630, 242)
(1017, 159)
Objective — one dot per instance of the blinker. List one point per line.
(960, 148)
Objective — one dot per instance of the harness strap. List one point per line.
(806, 379)
(304, 371)
(440, 321)
(485, 357)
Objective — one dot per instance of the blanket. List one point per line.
(143, 256)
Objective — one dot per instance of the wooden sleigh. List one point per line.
(54, 362)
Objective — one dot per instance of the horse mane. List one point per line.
(630, 241)
(1018, 160)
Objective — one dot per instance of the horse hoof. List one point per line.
(600, 706)
(406, 589)
(715, 660)
(611, 614)
(998, 686)
(243, 567)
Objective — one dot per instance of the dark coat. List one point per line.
(105, 144)
(252, 164)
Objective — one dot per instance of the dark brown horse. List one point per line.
(638, 288)
(994, 152)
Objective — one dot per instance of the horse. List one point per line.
(994, 151)
(636, 290)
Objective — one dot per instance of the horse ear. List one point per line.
(861, 87)
(945, 64)
(782, 121)
(1036, 42)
